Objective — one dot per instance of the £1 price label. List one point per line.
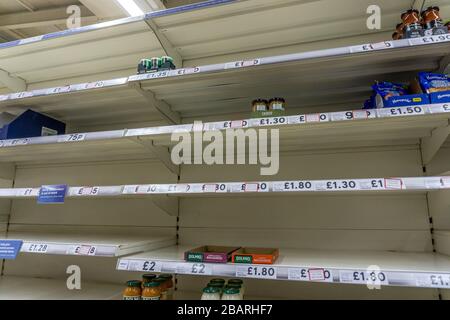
(438, 280)
(257, 272)
(36, 248)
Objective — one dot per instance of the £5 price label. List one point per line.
(257, 272)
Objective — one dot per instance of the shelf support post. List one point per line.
(431, 145)
(161, 106)
(165, 44)
(162, 153)
(167, 204)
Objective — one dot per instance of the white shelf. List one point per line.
(219, 189)
(226, 88)
(20, 288)
(194, 32)
(93, 244)
(393, 268)
(343, 129)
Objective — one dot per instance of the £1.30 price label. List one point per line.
(257, 272)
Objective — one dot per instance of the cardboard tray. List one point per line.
(255, 255)
(210, 254)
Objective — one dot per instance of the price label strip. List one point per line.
(310, 274)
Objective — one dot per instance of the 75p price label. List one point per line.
(256, 272)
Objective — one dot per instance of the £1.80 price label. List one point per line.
(257, 272)
(292, 186)
(364, 277)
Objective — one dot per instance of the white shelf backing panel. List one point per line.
(94, 244)
(22, 288)
(387, 268)
(351, 129)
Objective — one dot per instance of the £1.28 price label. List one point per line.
(257, 272)
(35, 248)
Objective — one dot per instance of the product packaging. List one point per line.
(390, 95)
(255, 255)
(30, 124)
(210, 254)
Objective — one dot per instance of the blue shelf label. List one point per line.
(52, 194)
(9, 249)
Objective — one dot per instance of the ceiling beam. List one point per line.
(41, 18)
(13, 83)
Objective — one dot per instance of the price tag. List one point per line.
(214, 188)
(21, 95)
(192, 70)
(402, 111)
(123, 265)
(94, 85)
(304, 274)
(235, 124)
(28, 192)
(363, 277)
(393, 184)
(83, 250)
(372, 47)
(30, 40)
(293, 186)
(251, 63)
(255, 187)
(234, 65)
(14, 143)
(342, 185)
(272, 121)
(195, 269)
(445, 181)
(318, 117)
(87, 191)
(151, 266)
(256, 272)
(433, 280)
(35, 248)
(75, 137)
(439, 108)
(374, 184)
(429, 40)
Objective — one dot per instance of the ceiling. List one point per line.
(28, 18)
